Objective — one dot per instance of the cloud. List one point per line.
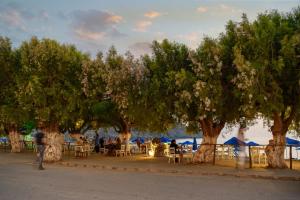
(95, 24)
(192, 39)
(13, 15)
(142, 26)
(140, 48)
(193, 36)
(114, 33)
(202, 9)
(219, 10)
(88, 35)
(228, 9)
(43, 15)
(115, 19)
(152, 14)
(159, 36)
(61, 15)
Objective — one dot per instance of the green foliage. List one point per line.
(106, 114)
(11, 113)
(28, 127)
(273, 40)
(208, 89)
(166, 69)
(253, 68)
(49, 84)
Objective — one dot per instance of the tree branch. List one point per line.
(289, 120)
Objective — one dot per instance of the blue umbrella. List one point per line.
(290, 141)
(3, 139)
(165, 140)
(195, 146)
(234, 141)
(252, 144)
(187, 143)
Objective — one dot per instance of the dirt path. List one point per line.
(22, 181)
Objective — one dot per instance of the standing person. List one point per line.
(241, 147)
(138, 143)
(97, 143)
(40, 143)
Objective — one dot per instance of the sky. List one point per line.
(95, 25)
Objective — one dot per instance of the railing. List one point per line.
(249, 156)
(5, 146)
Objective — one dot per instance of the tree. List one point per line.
(213, 98)
(197, 88)
(169, 60)
(12, 115)
(186, 87)
(208, 96)
(50, 86)
(115, 98)
(218, 103)
(275, 58)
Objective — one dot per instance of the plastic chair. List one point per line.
(173, 155)
(79, 151)
(128, 150)
(121, 151)
(103, 150)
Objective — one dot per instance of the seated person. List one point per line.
(101, 142)
(80, 141)
(118, 143)
(174, 145)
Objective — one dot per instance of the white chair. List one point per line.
(134, 148)
(258, 155)
(230, 152)
(166, 149)
(173, 155)
(65, 148)
(121, 151)
(188, 154)
(103, 150)
(128, 149)
(220, 152)
(79, 151)
(88, 149)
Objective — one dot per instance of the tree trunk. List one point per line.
(54, 144)
(125, 137)
(211, 132)
(276, 147)
(14, 137)
(125, 133)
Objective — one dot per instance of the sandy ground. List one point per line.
(20, 180)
